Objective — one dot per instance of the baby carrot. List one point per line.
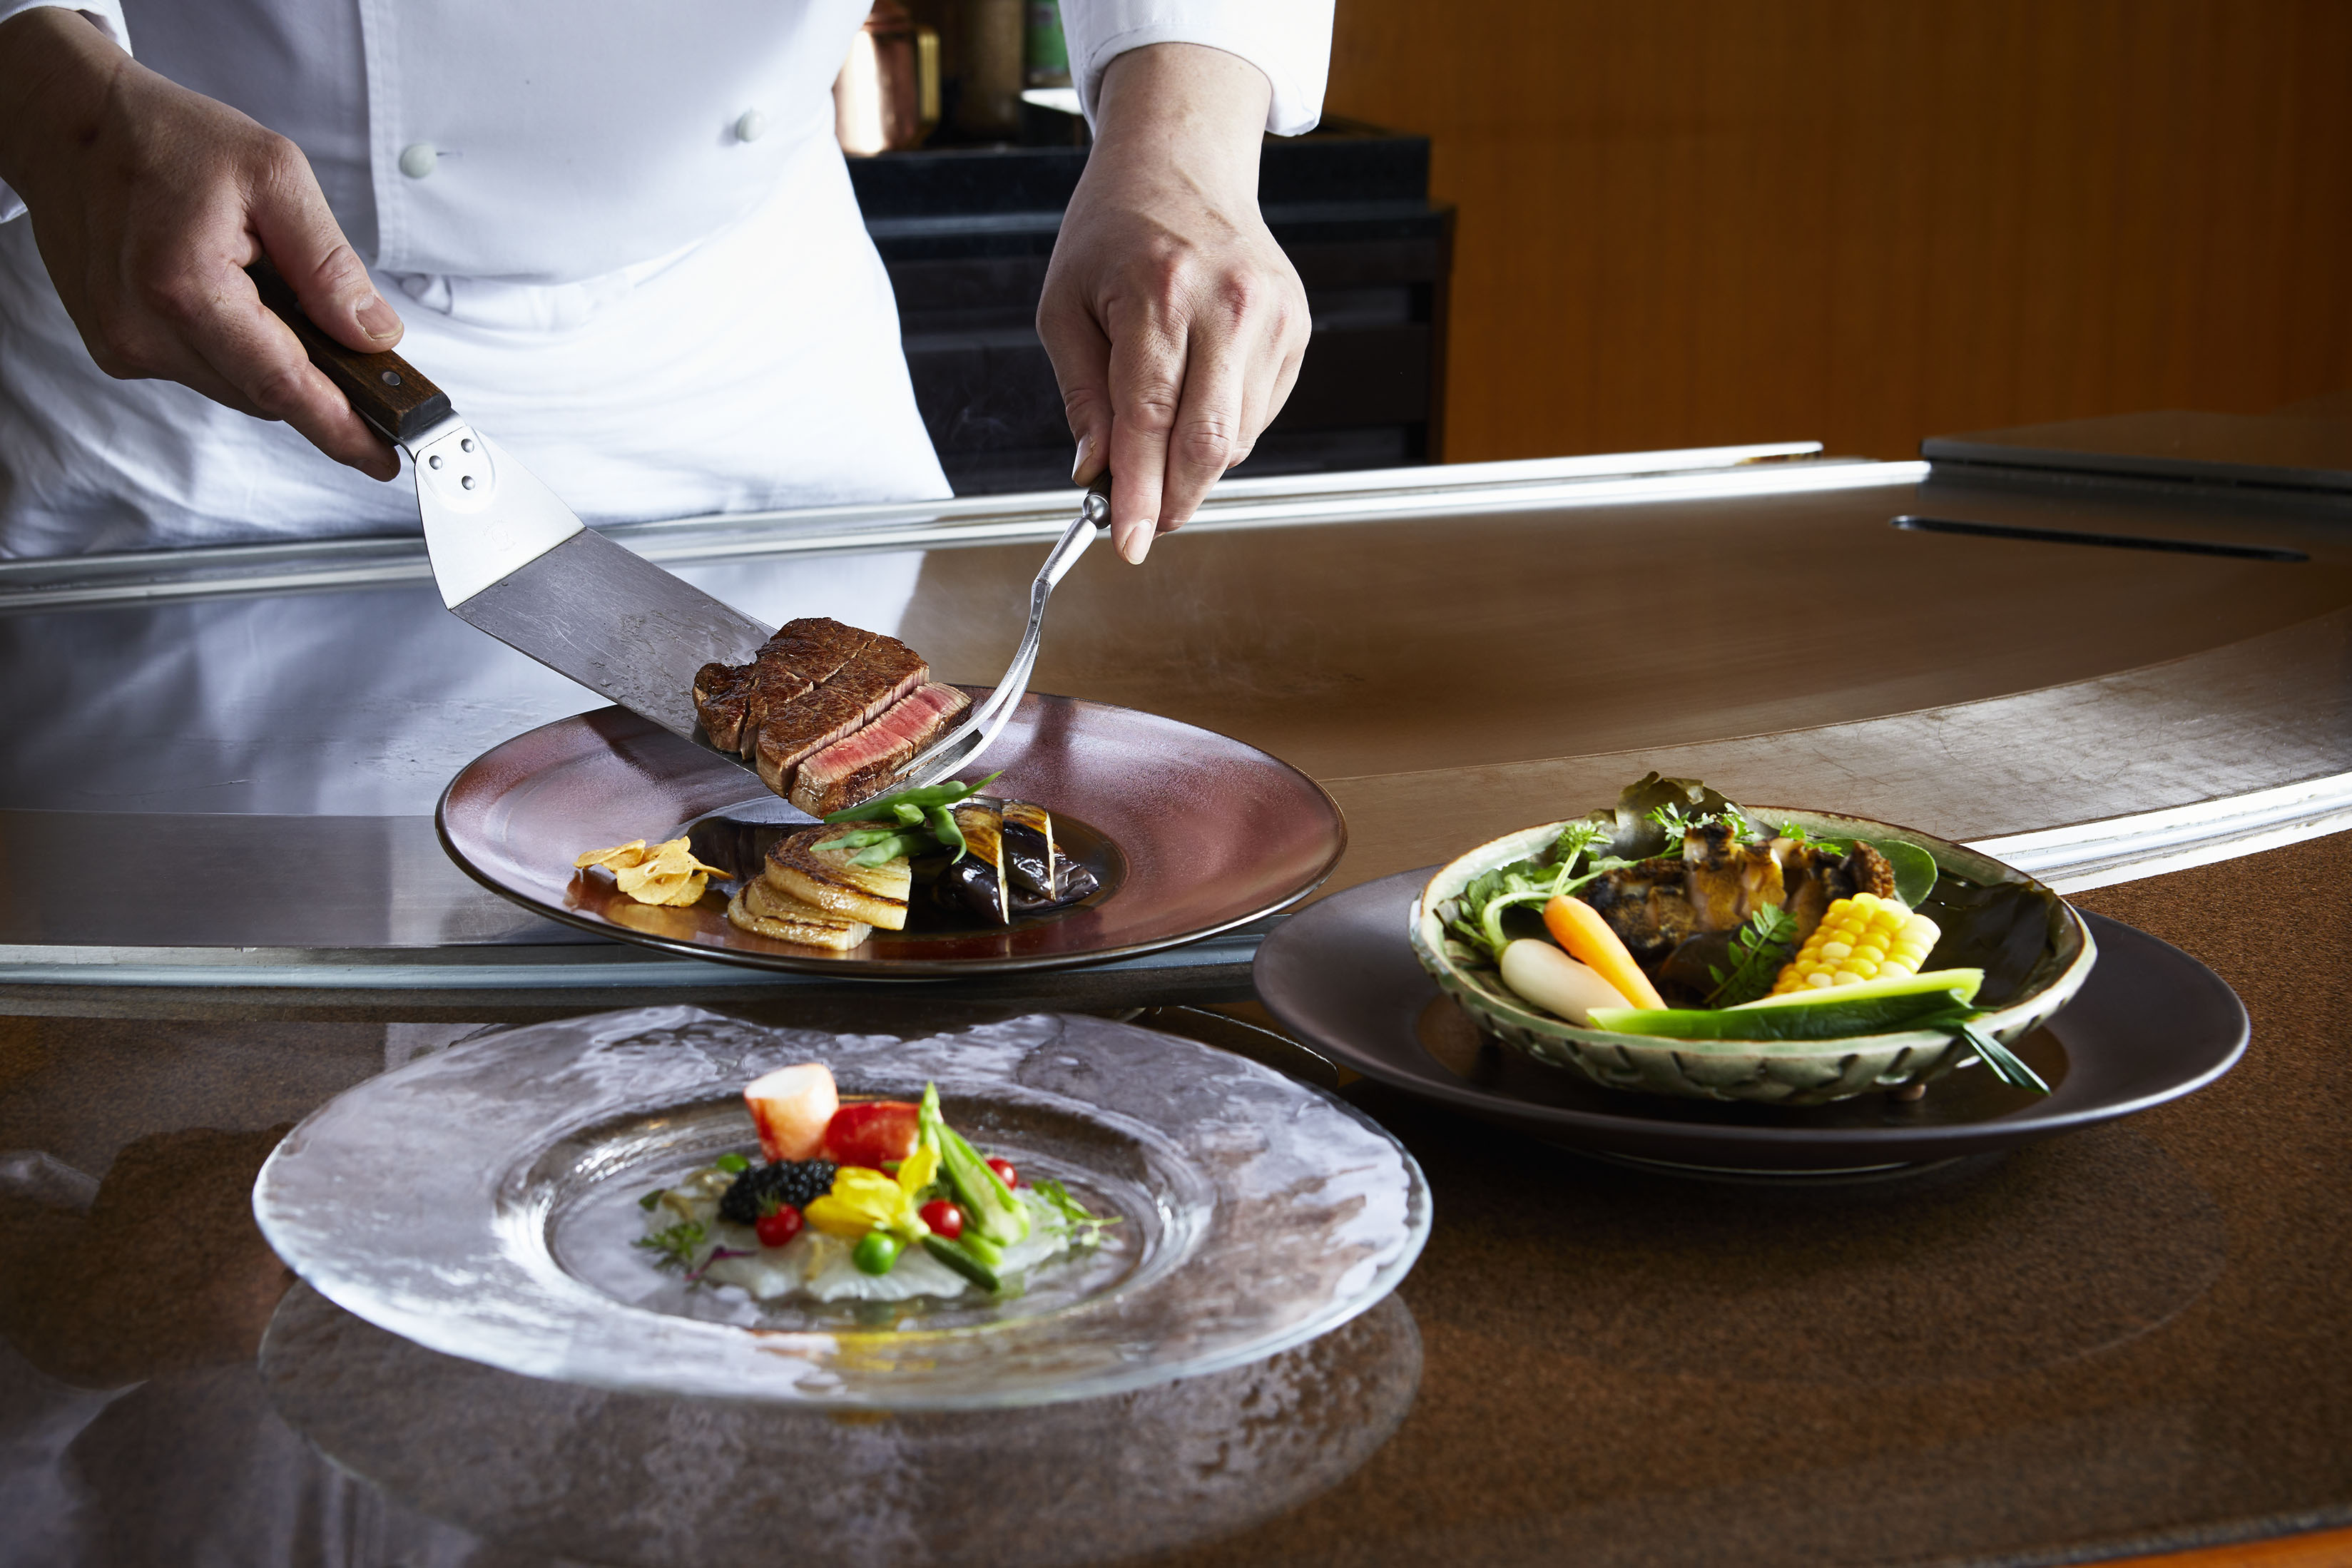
(1577, 927)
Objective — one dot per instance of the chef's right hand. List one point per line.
(148, 201)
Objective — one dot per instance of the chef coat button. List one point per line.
(751, 127)
(418, 159)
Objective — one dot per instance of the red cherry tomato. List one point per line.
(777, 1229)
(944, 1218)
(1005, 1172)
(873, 1132)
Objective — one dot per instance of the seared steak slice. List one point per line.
(733, 701)
(816, 647)
(727, 695)
(803, 727)
(885, 672)
(882, 674)
(862, 763)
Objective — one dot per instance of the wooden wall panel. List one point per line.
(1869, 221)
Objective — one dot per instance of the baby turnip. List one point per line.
(1556, 983)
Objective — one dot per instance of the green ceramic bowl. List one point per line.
(1776, 1072)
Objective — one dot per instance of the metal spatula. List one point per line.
(512, 559)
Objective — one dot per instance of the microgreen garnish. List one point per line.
(676, 1244)
(1527, 883)
(1085, 1229)
(1758, 951)
(650, 1199)
(1675, 823)
(733, 1164)
(716, 1253)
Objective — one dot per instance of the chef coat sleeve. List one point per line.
(106, 13)
(1289, 40)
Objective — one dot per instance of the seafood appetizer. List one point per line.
(871, 1200)
(826, 712)
(1678, 917)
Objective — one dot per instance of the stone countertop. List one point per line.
(2128, 1340)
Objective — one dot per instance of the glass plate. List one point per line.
(646, 1480)
(482, 1203)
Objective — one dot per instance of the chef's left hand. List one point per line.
(1175, 322)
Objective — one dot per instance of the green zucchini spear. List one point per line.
(990, 1209)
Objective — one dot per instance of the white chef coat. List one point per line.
(621, 236)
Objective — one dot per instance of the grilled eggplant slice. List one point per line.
(975, 882)
(1031, 856)
(1037, 876)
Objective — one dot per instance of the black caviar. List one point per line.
(793, 1181)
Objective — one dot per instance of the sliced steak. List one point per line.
(803, 727)
(726, 695)
(733, 701)
(882, 674)
(861, 765)
(863, 688)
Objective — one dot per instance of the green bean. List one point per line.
(859, 840)
(910, 815)
(947, 830)
(891, 849)
(922, 799)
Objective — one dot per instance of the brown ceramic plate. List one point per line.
(2151, 1024)
(1192, 833)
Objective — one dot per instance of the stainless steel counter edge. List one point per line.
(2071, 858)
(569, 967)
(63, 583)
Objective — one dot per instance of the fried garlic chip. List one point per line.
(666, 873)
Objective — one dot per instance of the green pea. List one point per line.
(877, 1253)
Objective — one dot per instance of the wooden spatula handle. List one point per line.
(385, 390)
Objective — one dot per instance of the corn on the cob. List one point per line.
(1862, 937)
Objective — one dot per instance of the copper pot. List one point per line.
(887, 97)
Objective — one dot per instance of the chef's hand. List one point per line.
(1175, 322)
(147, 200)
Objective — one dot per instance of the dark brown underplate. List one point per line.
(2151, 1024)
(1198, 832)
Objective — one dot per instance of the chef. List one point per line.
(621, 236)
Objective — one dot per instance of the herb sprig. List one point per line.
(1675, 822)
(677, 1245)
(1494, 894)
(1761, 946)
(1086, 1228)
